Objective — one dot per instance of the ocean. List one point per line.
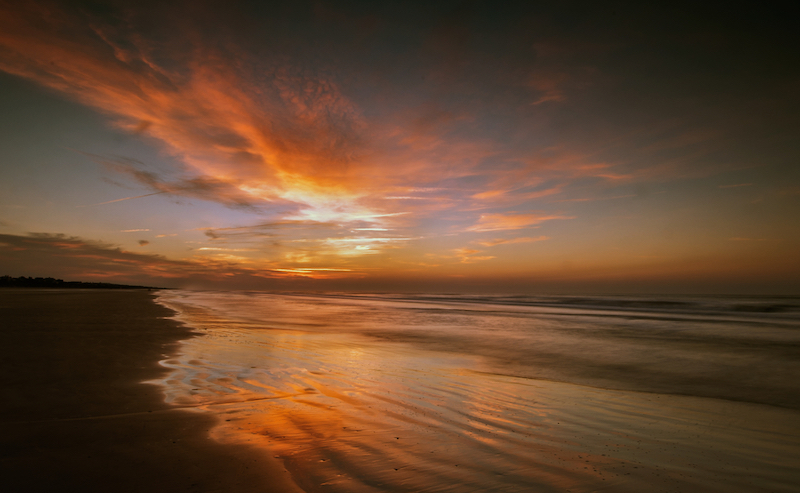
(387, 392)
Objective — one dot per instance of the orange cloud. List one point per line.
(320, 273)
(467, 255)
(253, 128)
(361, 149)
(327, 148)
(516, 194)
(501, 222)
(501, 241)
(291, 135)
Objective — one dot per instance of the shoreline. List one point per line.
(347, 411)
(129, 391)
(78, 415)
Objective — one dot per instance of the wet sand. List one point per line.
(77, 417)
(319, 385)
(255, 408)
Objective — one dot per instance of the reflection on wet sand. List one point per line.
(349, 412)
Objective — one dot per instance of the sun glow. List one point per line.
(384, 151)
(313, 273)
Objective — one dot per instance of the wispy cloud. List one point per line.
(318, 273)
(123, 199)
(508, 241)
(202, 187)
(594, 199)
(269, 229)
(501, 222)
(343, 159)
(76, 258)
(252, 127)
(518, 195)
(364, 245)
(469, 255)
(290, 132)
(218, 249)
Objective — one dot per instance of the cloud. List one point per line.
(269, 229)
(143, 242)
(321, 273)
(262, 118)
(592, 199)
(516, 195)
(362, 245)
(219, 249)
(201, 187)
(502, 241)
(501, 222)
(304, 241)
(74, 258)
(286, 129)
(467, 255)
(324, 128)
(122, 200)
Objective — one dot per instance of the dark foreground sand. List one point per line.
(76, 417)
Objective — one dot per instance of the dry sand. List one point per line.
(76, 417)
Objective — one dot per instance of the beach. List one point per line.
(251, 391)
(367, 393)
(77, 417)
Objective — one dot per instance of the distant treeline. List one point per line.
(49, 282)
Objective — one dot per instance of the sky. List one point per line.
(459, 146)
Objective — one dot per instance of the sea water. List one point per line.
(384, 392)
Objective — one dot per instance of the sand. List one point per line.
(350, 411)
(77, 417)
(250, 410)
